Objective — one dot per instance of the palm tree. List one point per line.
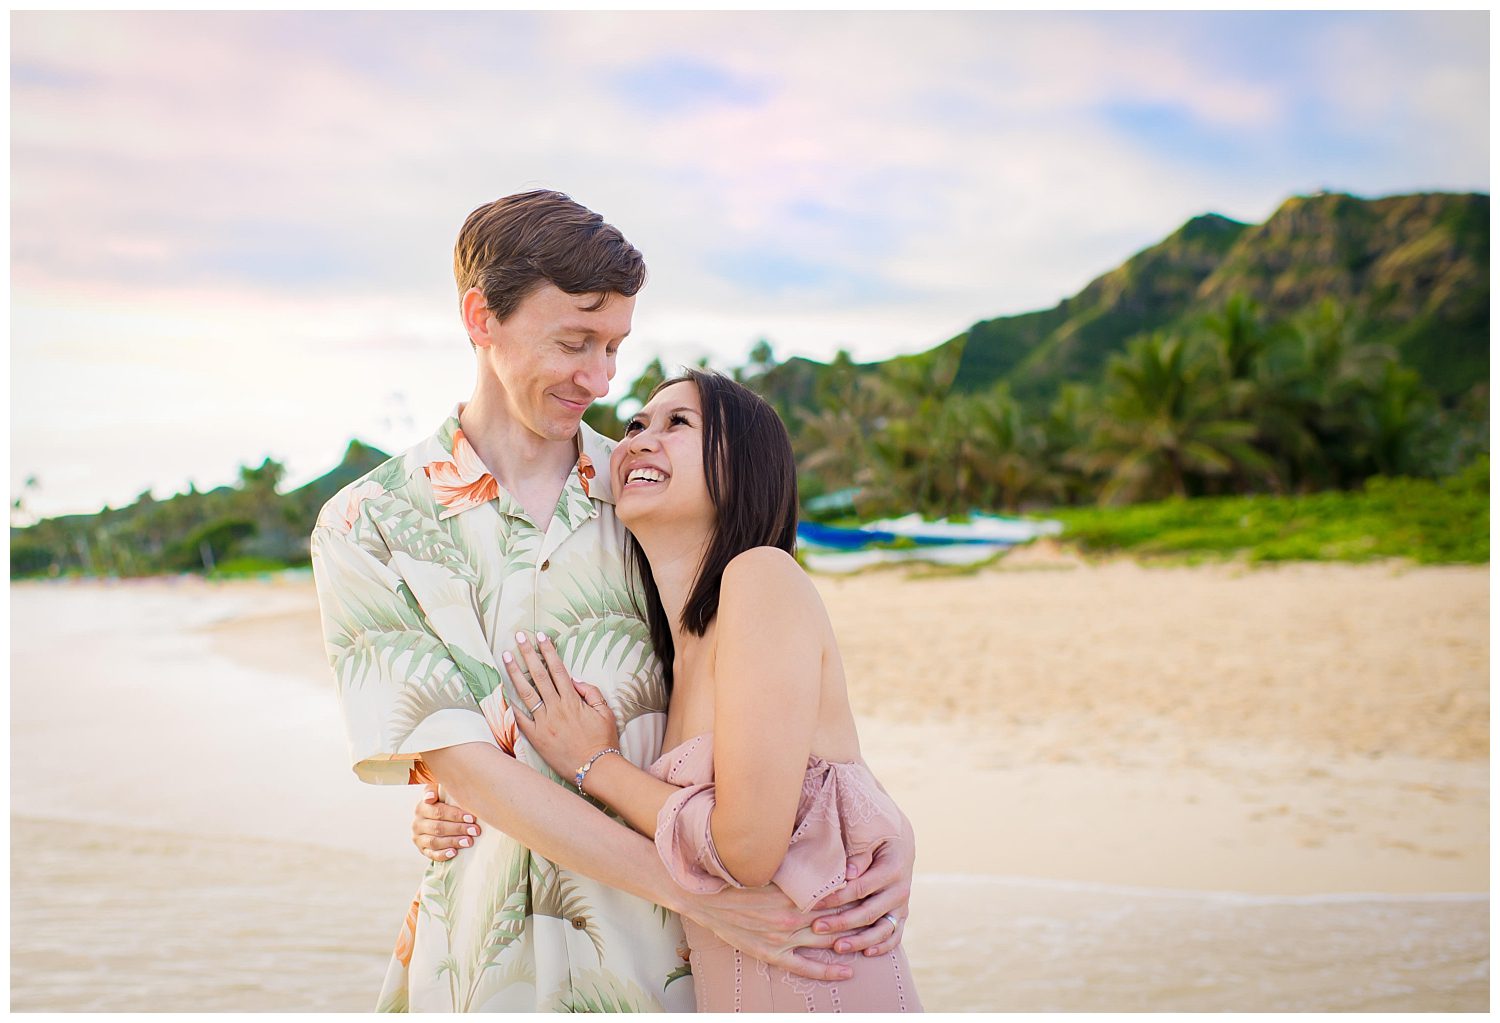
(1164, 420)
(1066, 428)
(1239, 337)
(997, 454)
(1316, 380)
(908, 448)
(831, 440)
(1398, 421)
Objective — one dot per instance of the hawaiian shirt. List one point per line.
(426, 569)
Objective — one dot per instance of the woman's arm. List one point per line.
(767, 682)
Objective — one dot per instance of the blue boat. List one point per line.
(819, 535)
(988, 530)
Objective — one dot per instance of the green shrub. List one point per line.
(1443, 521)
(245, 566)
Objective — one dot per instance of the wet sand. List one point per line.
(1184, 788)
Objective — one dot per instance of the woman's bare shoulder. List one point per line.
(766, 573)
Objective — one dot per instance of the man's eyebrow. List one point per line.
(582, 330)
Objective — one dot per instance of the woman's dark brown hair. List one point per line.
(751, 476)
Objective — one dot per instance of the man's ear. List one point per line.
(478, 320)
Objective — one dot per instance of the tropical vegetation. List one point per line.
(1328, 366)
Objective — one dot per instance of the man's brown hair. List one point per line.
(510, 247)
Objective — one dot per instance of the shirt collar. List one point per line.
(597, 448)
(594, 450)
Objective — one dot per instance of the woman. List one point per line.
(762, 780)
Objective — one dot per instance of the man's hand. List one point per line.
(884, 887)
(765, 924)
(439, 830)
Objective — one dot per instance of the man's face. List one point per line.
(553, 357)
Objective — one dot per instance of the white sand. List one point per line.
(187, 834)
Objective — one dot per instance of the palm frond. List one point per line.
(444, 690)
(645, 692)
(438, 887)
(591, 598)
(525, 543)
(504, 921)
(518, 969)
(554, 893)
(363, 611)
(509, 905)
(422, 536)
(481, 678)
(599, 991)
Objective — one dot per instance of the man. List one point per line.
(429, 566)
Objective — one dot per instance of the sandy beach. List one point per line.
(1133, 788)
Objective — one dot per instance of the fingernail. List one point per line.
(464, 842)
(542, 637)
(452, 853)
(846, 974)
(506, 657)
(468, 819)
(473, 832)
(429, 797)
(871, 952)
(841, 946)
(521, 638)
(853, 873)
(820, 927)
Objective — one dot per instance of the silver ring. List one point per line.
(532, 710)
(887, 916)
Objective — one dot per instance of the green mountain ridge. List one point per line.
(1071, 341)
(1413, 269)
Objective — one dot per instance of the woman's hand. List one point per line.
(566, 721)
(441, 829)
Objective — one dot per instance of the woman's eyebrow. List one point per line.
(668, 412)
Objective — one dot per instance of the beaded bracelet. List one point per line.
(583, 771)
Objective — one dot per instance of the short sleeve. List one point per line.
(685, 842)
(400, 689)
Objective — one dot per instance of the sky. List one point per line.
(231, 233)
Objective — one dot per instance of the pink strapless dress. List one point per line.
(841, 815)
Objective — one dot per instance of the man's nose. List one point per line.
(594, 377)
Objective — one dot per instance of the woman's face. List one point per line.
(657, 470)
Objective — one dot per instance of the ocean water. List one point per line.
(140, 920)
(1062, 946)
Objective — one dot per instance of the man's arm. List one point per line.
(542, 816)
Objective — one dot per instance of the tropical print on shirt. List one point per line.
(425, 570)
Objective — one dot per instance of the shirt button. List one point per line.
(546, 564)
(580, 922)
